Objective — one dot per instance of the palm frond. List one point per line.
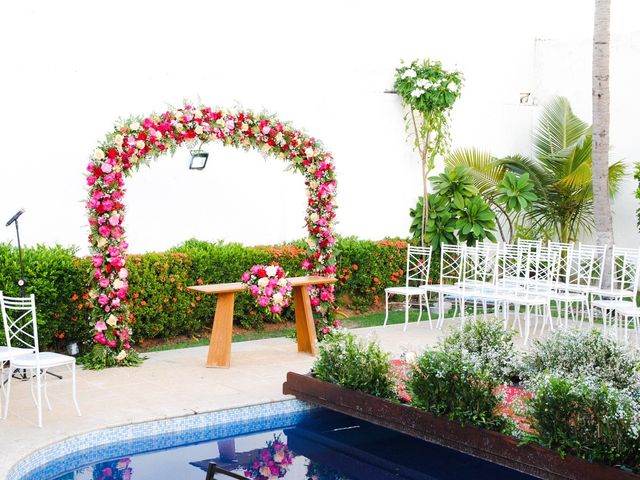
(617, 172)
(480, 165)
(520, 164)
(557, 129)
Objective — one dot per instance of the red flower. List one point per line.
(112, 153)
(262, 273)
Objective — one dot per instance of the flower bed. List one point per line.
(488, 445)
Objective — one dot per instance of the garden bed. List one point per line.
(485, 444)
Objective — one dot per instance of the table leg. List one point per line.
(221, 333)
(305, 327)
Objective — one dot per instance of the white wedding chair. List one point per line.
(623, 285)
(417, 276)
(451, 265)
(21, 333)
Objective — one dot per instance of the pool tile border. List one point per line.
(154, 435)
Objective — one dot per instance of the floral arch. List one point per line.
(137, 140)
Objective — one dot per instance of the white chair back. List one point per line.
(580, 268)
(565, 251)
(418, 266)
(451, 264)
(625, 269)
(600, 259)
(20, 325)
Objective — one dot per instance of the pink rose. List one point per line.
(101, 326)
(123, 273)
(104, 282)
(97, 260)
(268, 291)
(263, 301)
(103, 299)
(254, 290)
(324, 295)
(91, 180)
(276, 309)
(315, 301)
(115, 303)
(107, 205)
(106, 167)
(122, 293)
(104, 231)
(246, 276)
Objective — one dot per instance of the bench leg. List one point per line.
(221, 333)
(305, 327)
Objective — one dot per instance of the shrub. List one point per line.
(573, 354)
(591, 420)
(58, 279)
(448, 383)
(488, 346)
(347, 361)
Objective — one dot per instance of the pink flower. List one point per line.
(107, 205)
(97, 260)
(100, 338)
(254, 290)
(101, 326)
(112, 343)
(115, 303)
(122, 293)
(113, 251)
(104, 282)
(263, 301)
(103, 299)
(325, 330)
(123, 273)
(324, 295)
(91, 180)
(276, 309)
(306, 264)
(315, 301)
(268, 291)
(106, 167)
(246, 276)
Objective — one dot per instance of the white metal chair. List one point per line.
(623, 285)
(623, 316)
(417, 275)
(21, 331)
(451, 265)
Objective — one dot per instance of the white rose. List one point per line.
(119, 139)
(112, 321)
(197, 113)
(122, 355)
(313, 184)
(244, 127)
(199, 130)
(311, 243)
(282, 282)
(311, 169)
(179, 115)
(263, 282)
(279, 137)
(220, 122)
(314, 217)
(98, 154)
(135, 126)
(271, 270)
(133, 159)
(266, 130)
(118, 284)
(277, 298)
(309, 152)
(140, 144)
(102, 242)
(158, 134)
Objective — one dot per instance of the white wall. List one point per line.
(70, 69)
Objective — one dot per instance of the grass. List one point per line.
(375, 319)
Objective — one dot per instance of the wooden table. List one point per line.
(222, 329)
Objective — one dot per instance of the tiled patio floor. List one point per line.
(169, 384)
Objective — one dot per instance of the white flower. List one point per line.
(133, 158)
(282, 282)
(311, 243)
(266, 130)
(98, 154)
(199, 130)
(122, 355)
(451, 86)
(309, 152)
(112, 321)
(314, 217)
(417, 92)
(263, 282)
(313, 184)
(409, 73)
(197, 114)
(271, 270)
(277, 298)
(118, 284)
(424, 83)
(118, 139)
(134, 126)
(279, 137)
(140, 144)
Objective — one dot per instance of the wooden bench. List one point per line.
(222, 329)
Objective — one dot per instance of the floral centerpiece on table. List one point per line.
(271, 462)
(270, 287)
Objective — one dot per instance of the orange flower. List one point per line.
(199, 281)
(74, 297)
(376, 280)
(354, 266)
(143, 303)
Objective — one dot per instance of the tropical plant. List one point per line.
(516, 193)
(428, 92)
(560, 172)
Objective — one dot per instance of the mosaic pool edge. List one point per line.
(155, 428)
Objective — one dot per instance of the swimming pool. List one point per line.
(289, 440)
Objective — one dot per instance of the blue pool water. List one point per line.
(314, 445)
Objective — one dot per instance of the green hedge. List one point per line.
(160, 305)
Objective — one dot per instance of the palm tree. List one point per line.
(560, 171)
(600, 108)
